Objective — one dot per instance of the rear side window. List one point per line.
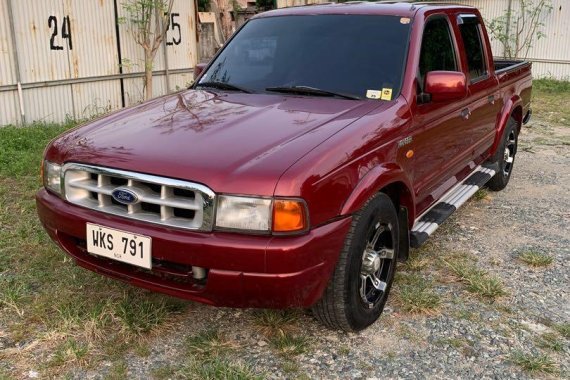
(438, 53)
(471, 35)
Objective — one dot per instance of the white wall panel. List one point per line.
(94, 50)
(134, 89)
(7, 65)
(40, 59)
(9, 108)
(94, 98)
(50, 104)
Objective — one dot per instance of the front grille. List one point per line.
(160, 200)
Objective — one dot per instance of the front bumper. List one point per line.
(243, 270)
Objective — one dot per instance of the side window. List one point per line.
(471, 35)
(438, 53)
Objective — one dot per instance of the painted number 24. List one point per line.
(65, 32)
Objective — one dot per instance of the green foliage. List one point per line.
(535, 258)
(148, 22)
(217, 368)
(415, 294)
(289, 345)
(21, 148)
(550, 341)
(534, 363)
(563, 329)
(203, 5)
(520, 27)
(478, 281)
(551, 101)
(551, 86)
(265, 5)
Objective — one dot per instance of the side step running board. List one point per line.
(455, 198)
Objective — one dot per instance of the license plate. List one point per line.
(119, 245)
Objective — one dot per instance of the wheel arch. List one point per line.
(389, 179)
(513, 108)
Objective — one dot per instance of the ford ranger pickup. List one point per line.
(310, 154)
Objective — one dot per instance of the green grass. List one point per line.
(70, 352)
(551, 101)
(273, 322)
(209, 343)
(563, 329)
(478, 281)
(417, 261)
(208, 356)
(21, 148)
(46, 298)
(289, 345)
(550, 341)
(481, 194)
(415, 294)
(217, 368)
(534, 363)
(535, 258)
(117, 371)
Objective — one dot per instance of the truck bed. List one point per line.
(503, 65)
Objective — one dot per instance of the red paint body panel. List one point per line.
(244, 271)
(333, 153)
(444, 86)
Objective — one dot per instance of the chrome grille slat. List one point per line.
(161, 200)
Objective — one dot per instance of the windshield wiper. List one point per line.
(307, 90)
(223, 86)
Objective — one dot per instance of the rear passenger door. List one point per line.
(484, 102)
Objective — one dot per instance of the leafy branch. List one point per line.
(517, 30)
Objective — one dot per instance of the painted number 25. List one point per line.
(65, 32)
(173, 25)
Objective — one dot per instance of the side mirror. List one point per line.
(445, 86)
(198, 69)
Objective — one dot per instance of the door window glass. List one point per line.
(471, 35)
(438, 53)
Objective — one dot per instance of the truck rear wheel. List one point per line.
(505, 157)
(358, 290)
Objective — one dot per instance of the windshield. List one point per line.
(358, 55)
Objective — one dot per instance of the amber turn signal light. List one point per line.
(289, 216)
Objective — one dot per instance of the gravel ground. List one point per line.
(466, 337)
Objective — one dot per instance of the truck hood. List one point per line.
(230, 142)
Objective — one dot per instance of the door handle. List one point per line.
(466, 113)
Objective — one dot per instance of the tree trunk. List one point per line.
(223, 12)
(148, 58)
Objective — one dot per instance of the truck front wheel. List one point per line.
(505, 157)
(358, 290)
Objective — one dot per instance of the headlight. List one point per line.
(262, 215)
(52, 177)
(243, 213)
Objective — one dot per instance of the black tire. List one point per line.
(505, 157)
(351, 301)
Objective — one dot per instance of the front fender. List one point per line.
(377, 178)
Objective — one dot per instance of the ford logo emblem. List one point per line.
(125, 196)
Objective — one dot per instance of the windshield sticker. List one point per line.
(405, 20)
(373, 94)
(386, 94)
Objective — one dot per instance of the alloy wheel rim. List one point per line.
(377, 261)
(509, 154)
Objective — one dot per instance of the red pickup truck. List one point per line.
(312, 152)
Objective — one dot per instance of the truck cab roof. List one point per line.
(395, 8)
